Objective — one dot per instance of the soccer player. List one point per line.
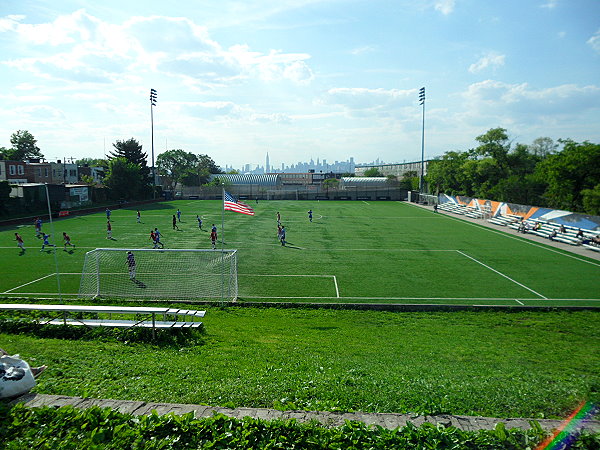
(310, 215)
(108, 214)
(178, 215)
(153, 238)
(139, 217)
(157, 236)
(38, 227)
(67, 240)
(213, 237)
(199, 221)
(278, 218)
(20, 243)
(279, 232)
(46, 236)
(108, 230)
(175, 222)
(282, 235)
(131, 265)
(213, 228)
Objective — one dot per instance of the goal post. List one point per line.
(185, 274)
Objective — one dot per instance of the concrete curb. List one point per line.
(329, 419)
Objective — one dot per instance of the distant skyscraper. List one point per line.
(267, 165)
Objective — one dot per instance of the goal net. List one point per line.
(160, 274)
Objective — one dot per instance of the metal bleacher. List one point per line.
(548, 230)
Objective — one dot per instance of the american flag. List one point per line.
(231, 204)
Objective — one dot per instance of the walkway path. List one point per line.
(332, 419)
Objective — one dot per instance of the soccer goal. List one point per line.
(160, 274)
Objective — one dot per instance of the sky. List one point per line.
(298, 79)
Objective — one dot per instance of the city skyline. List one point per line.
(320, 165)
(300, 77)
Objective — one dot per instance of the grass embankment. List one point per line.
(538, 365)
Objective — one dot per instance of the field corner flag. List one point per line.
(230, 203)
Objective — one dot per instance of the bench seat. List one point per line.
(121, 323)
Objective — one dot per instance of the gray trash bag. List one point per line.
(15, 376)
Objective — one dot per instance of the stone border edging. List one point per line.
(329, 419)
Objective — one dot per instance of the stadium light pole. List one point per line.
(153, 95)
(422, 103)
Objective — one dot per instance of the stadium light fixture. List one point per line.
(422, 103)
(153, 95)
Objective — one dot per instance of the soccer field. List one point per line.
(352, 252)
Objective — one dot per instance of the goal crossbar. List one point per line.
(188, 274)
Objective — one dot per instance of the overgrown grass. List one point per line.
(537, 365)
(69, 428)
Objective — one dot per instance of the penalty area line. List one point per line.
(503, 275)
(31, 282)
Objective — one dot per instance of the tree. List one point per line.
(125, 179)
(373, 172)
(591, 200)
(176, 165)
(392, 180)
(569, 173)
(131, 150)
(24, 146)
(92, 162)
(444, 174)
(87, 179)
(543, 147)
(331, 183)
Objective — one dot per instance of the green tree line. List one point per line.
(563, 175)
(128, 175)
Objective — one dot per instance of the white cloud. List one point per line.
(445, 6)
(89, 50)
(526, 104)
(363, 49)
(550, 4)
(492, 59)
(594, 41)
(365, 102)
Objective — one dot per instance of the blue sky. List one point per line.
(299, 79)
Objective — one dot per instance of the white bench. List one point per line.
(592, 247)
(147, 315)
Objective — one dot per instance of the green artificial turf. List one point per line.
(352, 252)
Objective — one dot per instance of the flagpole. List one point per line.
(223, 220)
(222, 249)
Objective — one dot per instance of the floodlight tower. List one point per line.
(422, 102)
(153, 95)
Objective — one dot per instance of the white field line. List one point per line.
(337, 289)
(507, 299)
(283, 275)
(501, 274)
(31, 282)
(366, 203)
(525, 241)
(37, 294)
(519, 302)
